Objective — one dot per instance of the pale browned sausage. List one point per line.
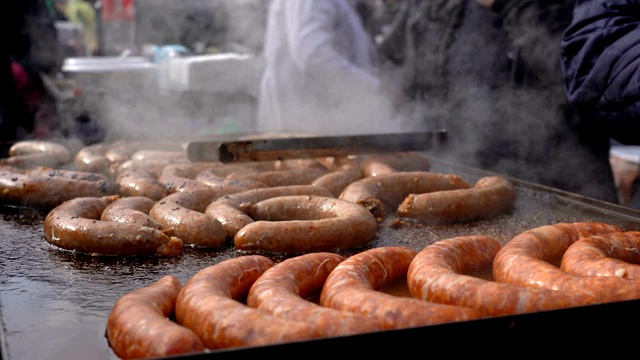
(527, 260)
(47, 189)
(141, 182)
(92, 158)
(181, 214)
(139, 325)
(387, 163)
(441, 272)
(337, 180)
(355, 285)
(489, 197)
(212, 304)
(613, 254)
(281, 177)
(304, 223)
(231, 210)
(31, 153)
(76, 225)
(385, 192)
(284, 290)
(131, 210)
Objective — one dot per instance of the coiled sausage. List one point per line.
(613, 254)
(526, 260)
(387, 163)
(131, 210)
(211, 304)
(384, 192)
(181, 214)
(355, 285)
(31, 153)
(304, 223)
(440, 273)
(139, 324)
(231, 210)
(489, 197)
(75, 225)
(284, 289)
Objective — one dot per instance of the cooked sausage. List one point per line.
(387, 163)
(356, 285)
(212, 304)
(92, 158)
(384, 192)
(489, 197)
(181, 214)
(284, 290)
(31, 153)
(132, 210)
(45, 171)
(527, 260)
(47, 189)
(141, 182)
(231, 210)
(337, 180)
(76, 225)
(303, 223)
(613, 254)
(441, 272)
(140, 324)
(179, 177)
(281, 177)
(214, 177)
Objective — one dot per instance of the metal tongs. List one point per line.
(281, 148)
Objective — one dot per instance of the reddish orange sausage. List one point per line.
(281, 177)
(526, 261)
(139, 325)
(284, 289)
(303, 223)
(75, 225)
(440, 273)
(381, 193)
(131, 210)
(387, 163)
(181, 214)
(613, 254)
(355, 284)
(47, 189)
(231, 210)
(490, 196)
(337, 180)
(211, 304)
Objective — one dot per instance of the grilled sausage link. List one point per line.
(140, 324)
(337, 180)
(76, 225)
(614, 254)
(489, 197)
(131, 210)
(181, 214)
(304, 223)
(231, 210)
(212, 304)
(31, 153)
(384, 192)
(49, 188)
(355, 285)
(526, 260)
(440, 272)
(387, 163)
(284, 290)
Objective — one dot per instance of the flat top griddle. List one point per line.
(54, 304)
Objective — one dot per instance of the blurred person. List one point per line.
(490, 71)
(600, 59)
(321, 74)
(28, 48)
(82, 13)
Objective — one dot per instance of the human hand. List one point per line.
(486, 3)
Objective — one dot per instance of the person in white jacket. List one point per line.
(320, 74)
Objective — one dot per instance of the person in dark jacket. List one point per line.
(490, 73)
(601, 62)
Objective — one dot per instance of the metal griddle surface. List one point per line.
(54, 304)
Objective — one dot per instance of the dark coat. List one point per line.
(493, 79)
(601, 58)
